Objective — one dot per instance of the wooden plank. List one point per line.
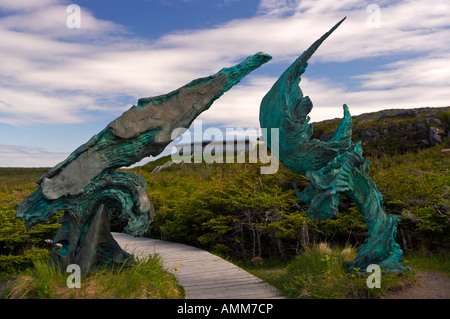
(223, 283)
(201, 274)
(237, 285)
(214, 267)
(218, 279)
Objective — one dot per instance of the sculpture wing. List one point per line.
(285, 107)
(143, 130)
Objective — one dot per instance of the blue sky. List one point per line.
(59, 86)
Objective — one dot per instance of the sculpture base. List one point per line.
(381, 249)
(95, 246)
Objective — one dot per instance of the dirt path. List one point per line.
(429, 286)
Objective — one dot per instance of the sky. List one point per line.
(67, 71)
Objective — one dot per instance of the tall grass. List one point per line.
(424, 260)
(144, 279)
(318, 273)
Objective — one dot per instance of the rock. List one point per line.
(163, 166)
(396, 113)
(434, 136)
(434, 121)
(394, 130)
(420, 126)
(370, 133)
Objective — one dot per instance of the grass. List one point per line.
(144, 279)
(434, 262)
(318, 273)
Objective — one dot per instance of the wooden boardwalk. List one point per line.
(201, 274)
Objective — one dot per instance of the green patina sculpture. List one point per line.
(89, 190)
(334, 168)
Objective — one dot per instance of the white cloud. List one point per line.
(43, 56)
(25, 5)
(277, 7)
(239, 107)
(51, 74)
(49, 19)
(428, 71)
(22, 107)
(28, 156)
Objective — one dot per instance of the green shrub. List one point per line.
(14, 263)
(235, 210)
(19, 246)
(416, 187)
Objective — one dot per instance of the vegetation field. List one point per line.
(234, 211)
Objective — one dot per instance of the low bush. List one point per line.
(231, 209)
(19, 246)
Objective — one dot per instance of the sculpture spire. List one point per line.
(286, 97)
(334, 168)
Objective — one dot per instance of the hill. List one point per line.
(394, 131)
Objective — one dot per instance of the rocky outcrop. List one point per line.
(394, 130)
(162, 167)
